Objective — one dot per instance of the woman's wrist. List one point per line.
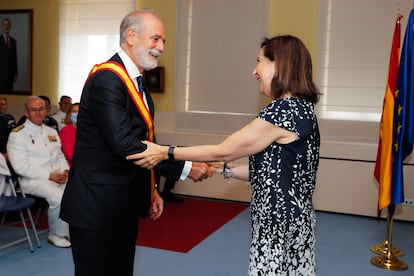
(227, 172)
(218, 170)
(170, 152)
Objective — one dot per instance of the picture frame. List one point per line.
(16, 53)
(154, 80)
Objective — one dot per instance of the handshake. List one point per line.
(200, 170)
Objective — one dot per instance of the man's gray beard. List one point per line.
(147, 64)
(144, 60)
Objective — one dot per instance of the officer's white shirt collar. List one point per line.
(132, 70)
(33, 127)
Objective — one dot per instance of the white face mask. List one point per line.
(74, 117)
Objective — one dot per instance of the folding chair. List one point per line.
(40, 206)
(19, 203)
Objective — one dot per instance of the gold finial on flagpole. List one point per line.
(399, 8)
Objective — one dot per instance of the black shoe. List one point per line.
(171, 198)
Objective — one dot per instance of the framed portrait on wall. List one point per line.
(16, 52)
(154, 79)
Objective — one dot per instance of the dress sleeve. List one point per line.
(279, 113)
(296, 115)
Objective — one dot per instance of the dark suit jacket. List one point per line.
(8, 64)
(104, 190)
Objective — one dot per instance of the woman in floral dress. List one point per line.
(283, 148)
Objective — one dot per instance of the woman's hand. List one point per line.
(151, 156)
(216, 167)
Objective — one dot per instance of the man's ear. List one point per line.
(130, 36)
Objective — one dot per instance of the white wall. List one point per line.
(345, 178)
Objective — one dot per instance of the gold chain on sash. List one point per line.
(136, 98)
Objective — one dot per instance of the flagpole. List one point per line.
(388, 260)
(392, 148)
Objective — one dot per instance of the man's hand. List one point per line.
(157, 206)
(59, 178)
(200, 171)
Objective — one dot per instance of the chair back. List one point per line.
(18, 203)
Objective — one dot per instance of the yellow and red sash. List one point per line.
(136, 98)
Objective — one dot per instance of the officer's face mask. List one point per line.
(74, 117)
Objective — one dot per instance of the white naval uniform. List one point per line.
(35, 152)
(60, 117)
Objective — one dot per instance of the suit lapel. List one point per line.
(148, 96)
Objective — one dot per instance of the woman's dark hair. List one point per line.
(293, 67)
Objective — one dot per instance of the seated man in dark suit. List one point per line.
(7, 123)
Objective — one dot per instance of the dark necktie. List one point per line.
(7, 41)
(147, 98)
(140, 82)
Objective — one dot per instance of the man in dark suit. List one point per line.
(8, 58)
(7, 123)
(106, 194)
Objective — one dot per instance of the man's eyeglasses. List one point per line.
(34, 110)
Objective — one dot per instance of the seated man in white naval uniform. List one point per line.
(35, 153)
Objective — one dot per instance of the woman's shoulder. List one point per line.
(291, 103)
(279, 104)
(283, 107)
(275, 110)
(67, 129)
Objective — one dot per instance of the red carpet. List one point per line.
(184, 225)
(181, 226)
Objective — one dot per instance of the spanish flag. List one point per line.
(383, 164)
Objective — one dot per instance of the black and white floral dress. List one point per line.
(282, 179)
